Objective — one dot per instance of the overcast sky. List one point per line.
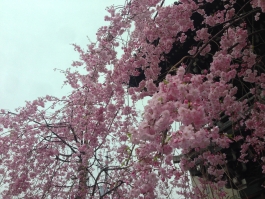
(36, 37)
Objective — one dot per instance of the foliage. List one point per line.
(202, 67)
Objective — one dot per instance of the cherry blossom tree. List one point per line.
(202, 64)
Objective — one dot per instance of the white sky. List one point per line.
(35, 38)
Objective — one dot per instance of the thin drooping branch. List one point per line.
(59, 137)
(105, 169)
(120, 182)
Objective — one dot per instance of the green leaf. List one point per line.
(168, 139)
(156, 158)
(165, 81)
(160, 99)
(128, 149)
(229, 135)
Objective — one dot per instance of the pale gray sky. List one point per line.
(35, 38)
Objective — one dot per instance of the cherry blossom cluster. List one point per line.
(56, 147)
